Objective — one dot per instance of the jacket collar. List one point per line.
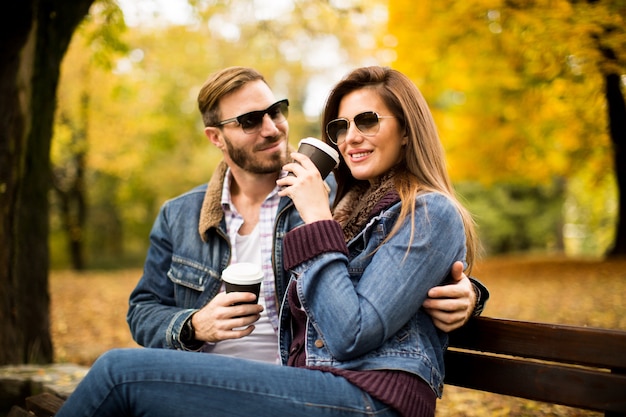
(212, 213)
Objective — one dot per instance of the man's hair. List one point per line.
(220, 84)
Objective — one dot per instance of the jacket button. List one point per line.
(319, 343)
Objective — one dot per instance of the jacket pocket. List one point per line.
(190, 280)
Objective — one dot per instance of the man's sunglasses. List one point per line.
(253, 121)
(368, 123)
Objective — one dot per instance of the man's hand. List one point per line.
(450, 306)
(221, 320)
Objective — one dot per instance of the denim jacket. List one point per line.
(189, 249)
(364, 308)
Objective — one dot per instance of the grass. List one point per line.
(89, 309)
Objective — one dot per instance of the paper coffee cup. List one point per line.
(243, 277)
(321, 154)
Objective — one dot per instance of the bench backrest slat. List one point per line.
(561, 343)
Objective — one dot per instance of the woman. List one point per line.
(352, 331)
(396, 209)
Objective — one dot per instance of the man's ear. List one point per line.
(214, 135)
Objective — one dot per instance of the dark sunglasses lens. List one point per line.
(337, 129)
(279, 111)
(251, 121)
(367, 122)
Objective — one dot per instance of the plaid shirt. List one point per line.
(267, 216)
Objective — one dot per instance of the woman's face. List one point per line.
(370, 156)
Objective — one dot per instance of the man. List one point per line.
(239, 217)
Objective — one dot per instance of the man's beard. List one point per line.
(250, 162)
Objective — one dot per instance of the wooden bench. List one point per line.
(568, 365)
(40, 405)
(574, 366)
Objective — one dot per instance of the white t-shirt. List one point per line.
(262, 343)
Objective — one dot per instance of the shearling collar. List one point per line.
(363, 201)
(212, 213)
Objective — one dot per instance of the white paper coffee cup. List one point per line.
(243, 277)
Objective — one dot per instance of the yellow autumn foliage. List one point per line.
(515, 88)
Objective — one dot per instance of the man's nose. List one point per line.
(268, 126)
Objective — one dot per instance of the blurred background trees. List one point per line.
(528, 97)
(519, 92)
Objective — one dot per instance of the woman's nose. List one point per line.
(352, 134)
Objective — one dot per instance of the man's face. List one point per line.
(263, 151)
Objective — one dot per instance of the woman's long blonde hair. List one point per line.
(424, 166)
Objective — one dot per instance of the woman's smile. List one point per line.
(356, 156)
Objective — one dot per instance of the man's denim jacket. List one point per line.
(364, 309)
(189, 249)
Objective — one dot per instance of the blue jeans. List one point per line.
(169, 383)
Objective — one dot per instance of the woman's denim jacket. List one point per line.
(364, 309)
(189, 249)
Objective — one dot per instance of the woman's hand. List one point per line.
(306, 188)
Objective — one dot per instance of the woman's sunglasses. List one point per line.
(368, 123)
(253, 121)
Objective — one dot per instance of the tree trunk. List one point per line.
(34, 36)
(617, 128)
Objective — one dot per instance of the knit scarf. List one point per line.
(363, 202)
